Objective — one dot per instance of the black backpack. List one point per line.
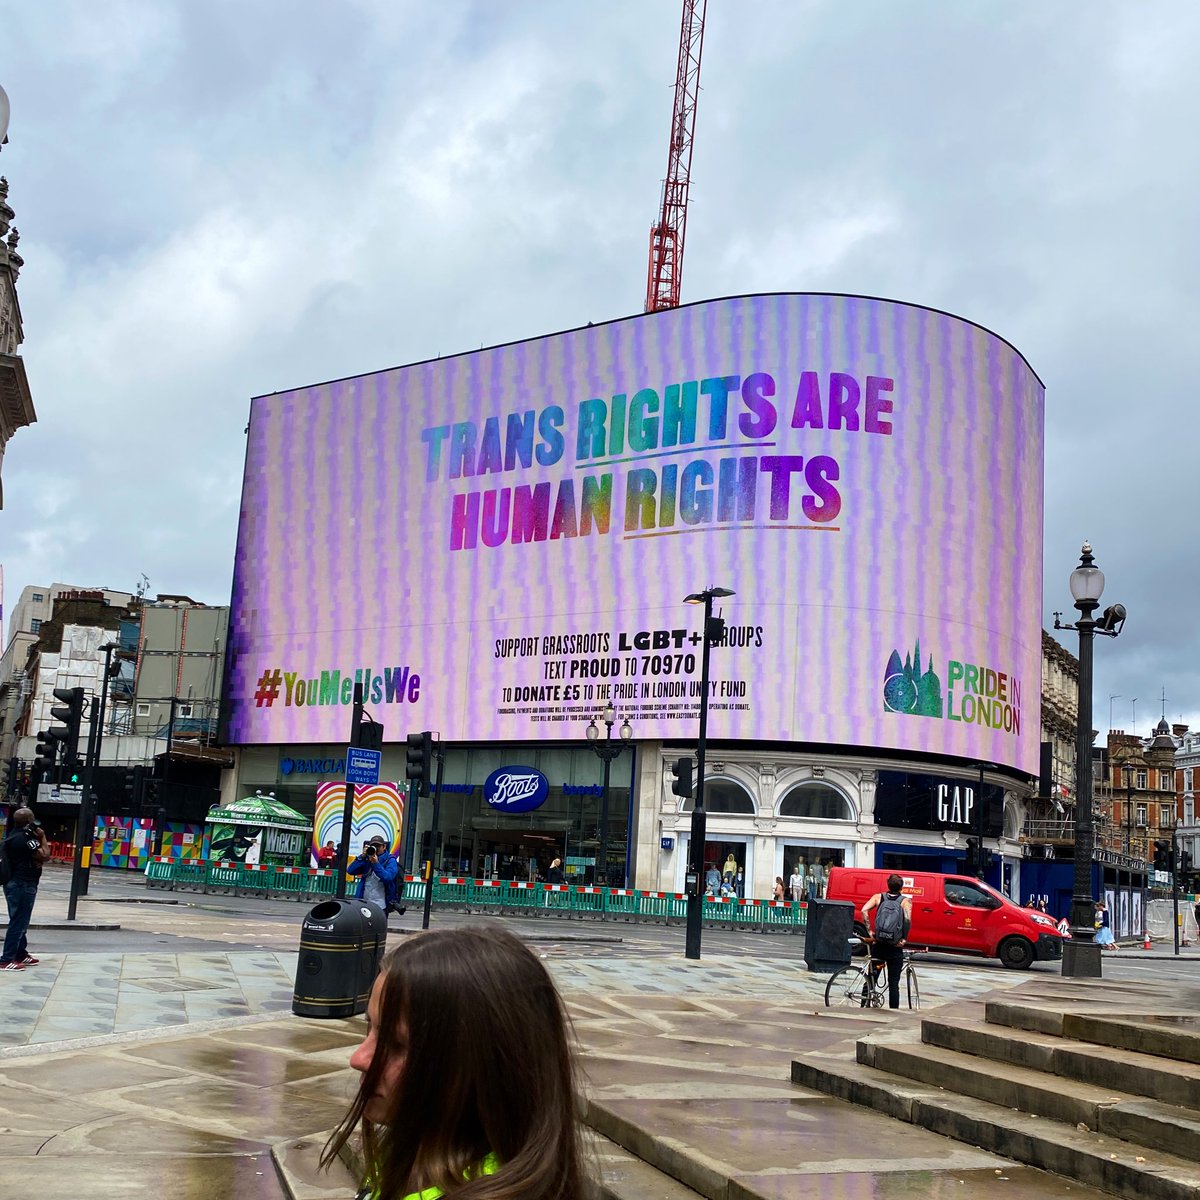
(889, 918)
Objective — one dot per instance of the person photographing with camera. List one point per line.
(377, 871)
(25, 849)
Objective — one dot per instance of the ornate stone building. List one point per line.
(16, 402)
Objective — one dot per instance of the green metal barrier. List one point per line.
(662, 906)
(160, 872)
(780, 914)
(588, 902)
(719, 910)
(255, 878)
(488, 895)
(322, 882)
(222, 877)
(482, 895)
(190, 875)
(523, 896)
(621, 902)
(557, 899)
(448, 889)
(290, 881)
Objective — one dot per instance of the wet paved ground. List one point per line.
(175, 1073)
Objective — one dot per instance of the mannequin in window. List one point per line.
(730, 869)
(796, 881)
(817, 887)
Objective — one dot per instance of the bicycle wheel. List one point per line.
(910, 981)
(851, 987)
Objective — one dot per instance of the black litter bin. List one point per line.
(341, 948)
(827, 934)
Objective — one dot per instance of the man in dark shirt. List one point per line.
(25, 849)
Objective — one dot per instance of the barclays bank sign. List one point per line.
(311, 766)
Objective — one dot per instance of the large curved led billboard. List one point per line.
(498, 544)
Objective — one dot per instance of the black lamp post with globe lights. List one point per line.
(714, 632)
(1081, 955)
(609, 751)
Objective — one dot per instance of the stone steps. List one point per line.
(1061, 1081)
(1098, 1160)
(1175, 1037)
(1133, 1072)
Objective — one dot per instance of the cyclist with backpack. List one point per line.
(893, 919)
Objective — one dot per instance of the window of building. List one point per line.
(143, 710)
(38, 598)
(1166, 780)
(816, 802)
(1141, 779)
(723, 796)
(1187, 779)
(1166, 816)
(183, 712)
(1142, 815)
(35, 624)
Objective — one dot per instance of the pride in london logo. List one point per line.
(906, 689)
(976, 694)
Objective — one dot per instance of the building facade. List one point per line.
(16, 400)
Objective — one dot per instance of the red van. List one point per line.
(956, 913)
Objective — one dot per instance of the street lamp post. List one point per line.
(714, 629)
(1081, 955)
(608, 750)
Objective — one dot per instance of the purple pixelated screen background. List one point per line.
(498, 544)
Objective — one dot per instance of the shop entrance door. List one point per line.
(515, 854)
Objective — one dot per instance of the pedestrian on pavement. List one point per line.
(893, 919)
(555, 874)
(327, 855)
(1104, 933)
(466, 1072)
(780, 890)
(377, 871)
(25, 849)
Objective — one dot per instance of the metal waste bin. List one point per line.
(341, 949)
(827, 934)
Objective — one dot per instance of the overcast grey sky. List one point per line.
(227, 198)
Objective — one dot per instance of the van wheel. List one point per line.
(1016, 953)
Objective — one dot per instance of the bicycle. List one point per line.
(864, 984)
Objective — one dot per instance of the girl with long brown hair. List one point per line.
(468, 1086)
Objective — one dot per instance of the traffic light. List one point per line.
(1162, 855)
(418, 759)
(70, 713)
(370, 735)
(47, 751)
(10, 777)
(974, 856)
(133, 788)
(681, 771)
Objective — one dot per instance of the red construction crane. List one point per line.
(667, 233)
